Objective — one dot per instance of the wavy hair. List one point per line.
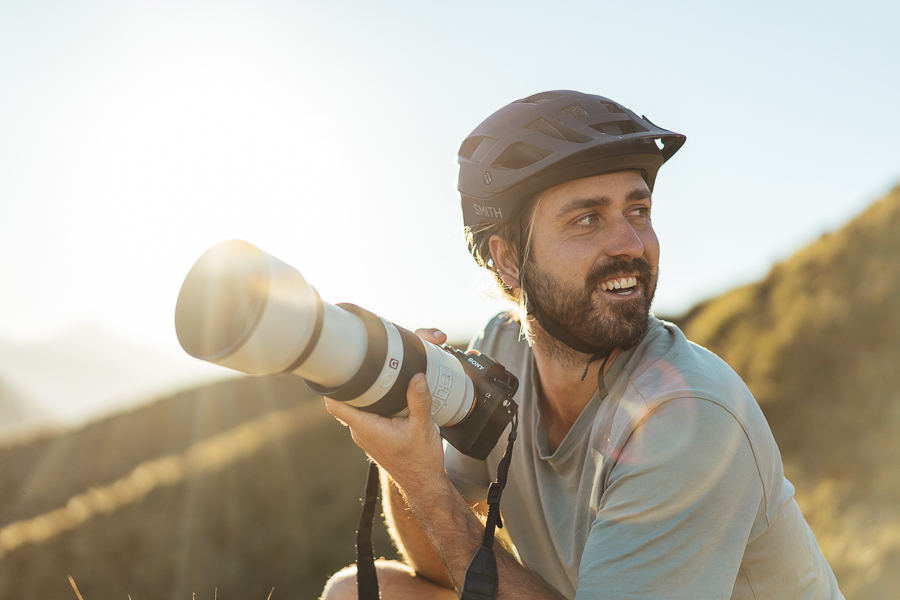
(517, 235)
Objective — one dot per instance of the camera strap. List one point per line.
(481, 578)
(366, 576)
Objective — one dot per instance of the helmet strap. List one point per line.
(575, 343)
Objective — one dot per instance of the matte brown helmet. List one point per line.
(550, 138)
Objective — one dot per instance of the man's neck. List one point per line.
(564, 387)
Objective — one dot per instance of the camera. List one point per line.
(242, 308)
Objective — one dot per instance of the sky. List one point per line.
(134, 135)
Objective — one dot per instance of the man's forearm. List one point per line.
(410, 537)
(452, 528)
(456, 533)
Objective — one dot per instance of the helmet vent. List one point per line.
(612, 107)
(557, 131)
(540, 98)
(620, 128)
(470, 146)
(547, 129)
(576, 112)
(520, 155)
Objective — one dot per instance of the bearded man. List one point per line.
(643, 467)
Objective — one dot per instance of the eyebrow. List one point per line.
(595, 201)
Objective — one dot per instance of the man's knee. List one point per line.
(341, 585)
(395, 580)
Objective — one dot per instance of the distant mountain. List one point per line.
(87, 373)
(818, 343)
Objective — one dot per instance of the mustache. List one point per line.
(616, 266)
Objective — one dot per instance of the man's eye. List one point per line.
(587, 220)
(641, 211)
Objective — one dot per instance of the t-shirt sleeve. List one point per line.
(677, 511)
(468, 475)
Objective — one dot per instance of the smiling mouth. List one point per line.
(621, 286)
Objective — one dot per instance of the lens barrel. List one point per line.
(244, 309)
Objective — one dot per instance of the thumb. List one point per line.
(418, 397)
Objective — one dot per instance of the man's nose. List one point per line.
(623, 240)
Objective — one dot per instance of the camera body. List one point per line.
(244, 309)
(487, 401)
(494, 407)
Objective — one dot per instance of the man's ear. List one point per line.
(504, 261)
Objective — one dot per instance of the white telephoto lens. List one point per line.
(244, 309)
(452, 392)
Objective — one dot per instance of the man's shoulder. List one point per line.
(666, 366)
(501, 334)
(681, 382)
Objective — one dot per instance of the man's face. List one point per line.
(595, 256)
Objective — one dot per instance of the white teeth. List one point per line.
(617, 284)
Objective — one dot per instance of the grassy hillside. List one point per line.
(240, 486)
(818, 342)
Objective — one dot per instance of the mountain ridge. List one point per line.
(88, 373)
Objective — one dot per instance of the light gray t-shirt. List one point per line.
(671, 487)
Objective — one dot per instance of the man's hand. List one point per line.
(447, 532)
(408, 448)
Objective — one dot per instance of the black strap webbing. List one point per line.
(481, 575)
(366, 575)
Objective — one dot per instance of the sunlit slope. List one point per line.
(242, 486)
(818, 342)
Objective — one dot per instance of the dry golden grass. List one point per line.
(212, 454)
(243, 486)
(193, 595)
(818, 343)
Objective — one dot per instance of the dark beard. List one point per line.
(610, 326)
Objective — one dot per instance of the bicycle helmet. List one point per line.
(550, 138)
